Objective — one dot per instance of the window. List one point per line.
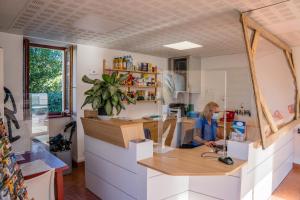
(48, 78)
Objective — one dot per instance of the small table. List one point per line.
(53, 162)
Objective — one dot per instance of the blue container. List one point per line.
(193, 114)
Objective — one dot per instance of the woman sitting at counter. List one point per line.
(206, 127)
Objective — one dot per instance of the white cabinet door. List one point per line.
(1, 85)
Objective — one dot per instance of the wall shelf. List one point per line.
(145, 101)
(135, 86)
(129, 87)
(130, 71)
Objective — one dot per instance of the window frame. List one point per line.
(26, 100)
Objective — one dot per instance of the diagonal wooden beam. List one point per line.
(293, 71)
(266, 34)
(290, 61)
(255, 43)
(253, 78)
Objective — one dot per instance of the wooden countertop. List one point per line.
(114, 131)
(142, 120)
(188, 162)
(114, 122)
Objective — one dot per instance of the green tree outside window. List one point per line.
(46, 75)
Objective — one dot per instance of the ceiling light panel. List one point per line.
(183, 45)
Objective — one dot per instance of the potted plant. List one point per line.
(105, 95)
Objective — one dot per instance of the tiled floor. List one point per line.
(289, 189)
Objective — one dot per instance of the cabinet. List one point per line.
(1, 84)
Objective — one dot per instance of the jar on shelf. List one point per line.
(154, 69)
(115, 63)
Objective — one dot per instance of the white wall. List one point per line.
(13, 65)
(214, 82)
(91, 58)
(239, 88)
(1, 84)
(13, 79)
(277, 90)
(296, 57)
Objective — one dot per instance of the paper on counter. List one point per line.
(34, 167)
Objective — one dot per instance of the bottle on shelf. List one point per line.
(130, 63)
(124, 63)
(150, 67)
(117, 63)
(114, 63)
(242, 110)
(120, 60)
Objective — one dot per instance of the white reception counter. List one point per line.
(114, 172)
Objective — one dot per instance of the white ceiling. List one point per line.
(145, 25)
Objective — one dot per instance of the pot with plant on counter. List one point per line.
(106, 96)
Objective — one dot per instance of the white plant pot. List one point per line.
(104, 117)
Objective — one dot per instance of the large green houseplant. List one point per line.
(105, 95)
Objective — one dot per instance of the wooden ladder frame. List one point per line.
(263, 110)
